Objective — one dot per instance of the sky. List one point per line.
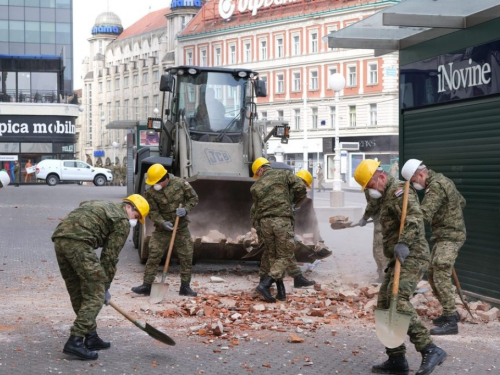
(86, 11)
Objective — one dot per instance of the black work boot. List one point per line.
(396, 365)
(263, 289)
(281, 295)
(94, 342)
(432, 356)
(448, 327)
(441, 319)
(145, 289)
(186, 290)
(75, 346)
(300, 281)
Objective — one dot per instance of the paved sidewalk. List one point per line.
(36, 314)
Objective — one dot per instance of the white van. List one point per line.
(53, 171)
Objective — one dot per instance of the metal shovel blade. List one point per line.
(158, 335)
(158, 291)
(391, 325)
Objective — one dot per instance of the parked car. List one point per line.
(54, 171)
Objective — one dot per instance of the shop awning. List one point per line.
(411, 22)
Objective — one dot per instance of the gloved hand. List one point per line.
(401, 251)
(295, 238)
(181, 212)
(168, 225)
(107, 297)
(362, 222)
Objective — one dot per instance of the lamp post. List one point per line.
(156, 111)
(337, 83)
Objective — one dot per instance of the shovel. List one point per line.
(151, 331)
(345, 224)
(158, 290)
(392, 325)
(459, 289)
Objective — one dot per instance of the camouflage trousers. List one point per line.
(411, 273)
(378, 249)
(85, 281)
(158, 245)
(277, 234)
(265, 264)
(443, 256)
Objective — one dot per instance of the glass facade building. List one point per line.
(39, 27)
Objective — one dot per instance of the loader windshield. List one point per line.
(213, 104)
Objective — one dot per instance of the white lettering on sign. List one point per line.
(227, 7)
(454, 79)
(59, 127)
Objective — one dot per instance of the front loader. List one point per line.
(208, 136)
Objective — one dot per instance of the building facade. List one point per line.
(122, 75)
(38, 107)
(283, 41)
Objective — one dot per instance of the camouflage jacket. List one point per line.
(17, 170)
(413, 234)
(163, 203)
(442, 207)
(372, 207)
(99, 224)
(274, 192)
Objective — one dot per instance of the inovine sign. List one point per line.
(454, 79)
(227, 7)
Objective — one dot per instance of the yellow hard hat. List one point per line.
(140, 204)
(365, 171)
(259, 162)
(306, 176)
(155, 174)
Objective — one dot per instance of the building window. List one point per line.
(314, 42)
(296, 45)
(296, 119)
(108, 104)
(279, 48)
(156, 76)
(330, 30)
(156, 101)
(263, 115)
(203, 58)
(247, 53)
(281, 115)
(296, 81)
(314, 117)
(332, 117)
(280, 84)
(352, 116)
(125, 81)
(218, 61)
(145, 78)
(372, 73)
(136, 79)
(264, 79)
(127, 106)
(117, 110)
(314, 80)
(351, 76)
(145, 104)
(218, 92)
(136, 109)
(108, 85)
(183, 22)
(373, 114)
(100, 86)
(189, 58)
(263, 49)
(232, 54)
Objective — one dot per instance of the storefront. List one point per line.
(30, 138)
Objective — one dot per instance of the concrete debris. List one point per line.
(215, 279)
(216, 236)
(293, 338)
(489, 315)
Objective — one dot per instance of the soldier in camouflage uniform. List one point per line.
(116, 175)
(273, 195)
(164, 199)
(442, 207)
(123, 175)
(17, 172)
(372, 210)
(93, 225)
(108, 166)
(412, 251)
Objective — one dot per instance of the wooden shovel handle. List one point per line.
(129, 317)
(397, 268)
(170, 247)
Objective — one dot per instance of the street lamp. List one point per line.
(156, 111)
(337, 83)
(115, 146)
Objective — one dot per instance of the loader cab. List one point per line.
(215, 104)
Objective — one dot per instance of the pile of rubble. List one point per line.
(231, 316)
(249, 238)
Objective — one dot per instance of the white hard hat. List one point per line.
(410, 168)
(4, 177)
